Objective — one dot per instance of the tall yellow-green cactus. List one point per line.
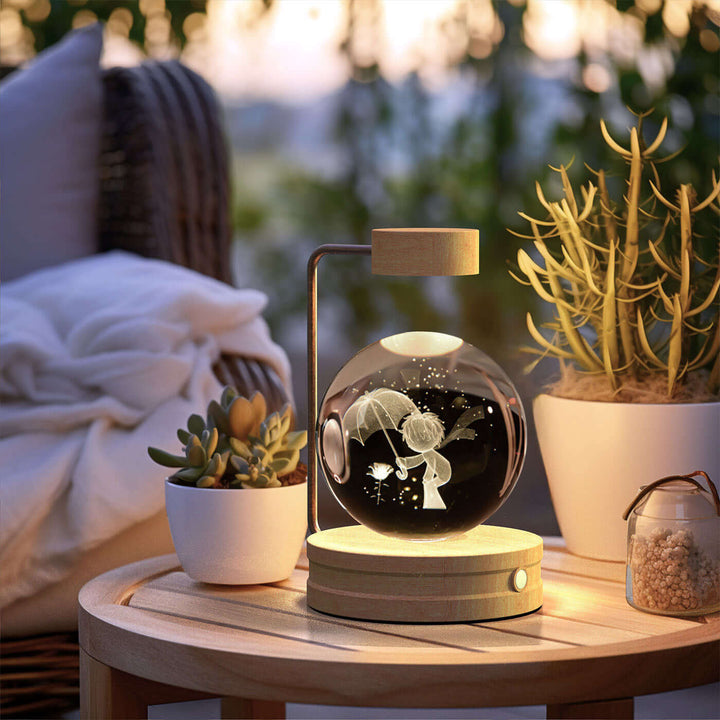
(631, 292)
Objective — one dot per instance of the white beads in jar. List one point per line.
(673, 563)
(669, 572)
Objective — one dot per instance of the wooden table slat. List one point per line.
(602, 603)
(281, 612)
(198, 633)
(557, 557)
(573, 632)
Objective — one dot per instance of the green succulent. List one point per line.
(235, 415)
(275, 451)
(201, 464)
(633, 295)
(235, 445)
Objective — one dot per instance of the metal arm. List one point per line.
(312, 480)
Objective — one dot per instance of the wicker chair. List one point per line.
(164, 194)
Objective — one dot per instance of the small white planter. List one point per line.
(237, 537)
(597, 455)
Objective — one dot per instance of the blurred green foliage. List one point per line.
(481, 170)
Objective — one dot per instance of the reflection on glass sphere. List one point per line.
(421, 436)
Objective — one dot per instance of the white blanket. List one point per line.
(100, 358)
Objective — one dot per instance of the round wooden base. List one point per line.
(488, 573)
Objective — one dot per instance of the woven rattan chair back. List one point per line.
(164, 175)
(165, 185)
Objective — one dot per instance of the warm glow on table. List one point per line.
(149, 620)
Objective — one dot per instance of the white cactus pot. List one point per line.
(598, 454)
(237, 537)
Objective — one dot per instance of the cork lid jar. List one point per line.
(673, 562)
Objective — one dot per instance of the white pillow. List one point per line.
(50, 124)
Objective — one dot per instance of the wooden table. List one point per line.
(149, 635)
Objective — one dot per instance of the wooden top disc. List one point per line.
(486, 548)
(425, 251)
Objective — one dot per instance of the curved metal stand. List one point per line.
(312, 368)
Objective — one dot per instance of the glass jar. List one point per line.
(673, 561)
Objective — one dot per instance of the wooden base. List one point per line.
(488, 573)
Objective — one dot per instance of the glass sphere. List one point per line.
(421, 436)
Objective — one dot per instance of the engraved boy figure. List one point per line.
(424, 433)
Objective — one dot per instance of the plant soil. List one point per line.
(575, 385)
(297, 476)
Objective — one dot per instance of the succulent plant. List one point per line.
(236, 445)
(633, 296)
(273, 452)
(235, 415)
(201, 464)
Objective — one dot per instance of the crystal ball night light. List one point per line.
(421, 436)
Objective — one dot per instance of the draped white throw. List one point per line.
(100, 358)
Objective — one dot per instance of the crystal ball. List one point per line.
(421, 436)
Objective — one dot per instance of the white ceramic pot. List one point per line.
(237, 537)
(597, 455)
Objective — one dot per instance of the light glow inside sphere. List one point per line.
(421, 436)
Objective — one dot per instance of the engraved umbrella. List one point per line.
(380, 409)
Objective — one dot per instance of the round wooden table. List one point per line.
(149, 635)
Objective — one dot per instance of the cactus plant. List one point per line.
(237, 446)
(633, 296)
